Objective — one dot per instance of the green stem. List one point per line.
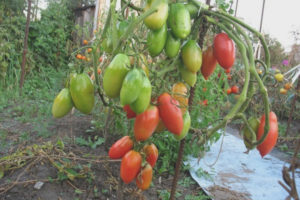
(243, 117)
(243, 94)
(133, 6)
(264, 66)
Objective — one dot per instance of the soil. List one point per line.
(105, 182)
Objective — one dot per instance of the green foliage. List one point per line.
(92, 143)
(50, 37)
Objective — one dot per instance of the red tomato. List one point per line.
(129, 113)
(224, 50)
(227, 71)
(130, 166)
(120, 147)
(229, 91)
(204, 89)
(170, 113)
(144, 178)
(209, 62)
(146, 123)
(235, 89)
(79, 56)
(205, 102)
(151, 154)
(271, 139)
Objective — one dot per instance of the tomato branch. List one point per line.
(131, 5)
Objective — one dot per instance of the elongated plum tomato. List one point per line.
(62, 103)
(209, 62)
(151, 154)
(179, 93)
(144, 178)
(170, 113)
(82, 92)
(224, 50)
(129, 113)
(271, 139)
(186, 126)
(191, 55)
(120, 147)
(157, 19)
(130, 166)
(146, 123)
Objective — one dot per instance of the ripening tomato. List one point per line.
(209, 62)
(191, 55)
(144, 178)
(85, 42)
(120, 147)
(271, 139)
(235, 89)
(288, 86)
(227, 71)
(129, 113)
(130, 166)
(179, 93)
(283, 91)
(89, 50)
(146, 123)
(151, 154)
(229, 91)
(170, 113)
(224, 50)
(79, 56)
(83, 58)
(156, 20)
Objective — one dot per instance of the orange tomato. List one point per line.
(179, 93)
(288, 86)
(101, 59)
(229, 91)
(283, 91)
(151, 152)
(99, 71)
(144, 178)
(79, 56)
(83, 58)
(85, 42)
(89, 50)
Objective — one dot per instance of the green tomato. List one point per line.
(156, 20)
(82, 92)
(131, 87)
(62, 104)
(115, 74)
(186, 126)
(143, 100)
(247, 136)
(193, 9)
(156, 40)
(172, 46)
(189, 77)
(192, 56)
(179, 20)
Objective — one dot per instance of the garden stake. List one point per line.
(25, 47)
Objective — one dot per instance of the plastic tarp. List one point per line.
(237, 175)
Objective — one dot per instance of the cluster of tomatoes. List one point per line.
(258, 127)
